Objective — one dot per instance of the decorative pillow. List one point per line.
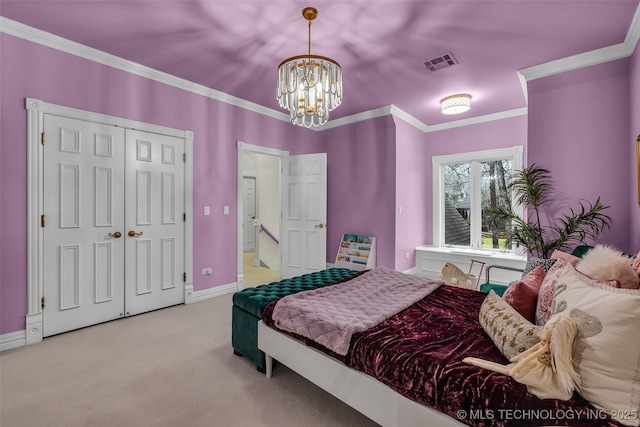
(523, 294)
(534, 262)
(508, 330)
(607, 263)
(545, 294)
(558, 254)
(607, 352)
(635, 264)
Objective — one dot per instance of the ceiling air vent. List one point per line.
(439, 62)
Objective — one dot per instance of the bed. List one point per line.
(407, 370)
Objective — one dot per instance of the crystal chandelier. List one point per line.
(309, 86)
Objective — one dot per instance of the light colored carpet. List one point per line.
(171, 367)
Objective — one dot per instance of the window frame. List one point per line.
(515, 154)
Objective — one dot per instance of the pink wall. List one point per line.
(634, 221)
(361, 181)
(30, 70)
(579, 129)
(413, 193)
(483, 136)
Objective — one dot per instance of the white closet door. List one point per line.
(83, 206)
(154, 264)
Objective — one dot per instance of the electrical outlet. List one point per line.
(208, 270)
(407, 255)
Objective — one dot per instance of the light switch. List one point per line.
(226, 210)
(207, 210)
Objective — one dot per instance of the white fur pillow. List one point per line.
(607, 263)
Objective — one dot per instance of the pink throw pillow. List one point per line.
(547, 289)
(522, 294)
(558, 254)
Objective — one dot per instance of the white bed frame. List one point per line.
(358, 390)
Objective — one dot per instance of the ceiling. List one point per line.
(236, 46)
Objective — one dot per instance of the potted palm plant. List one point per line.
(532, 188)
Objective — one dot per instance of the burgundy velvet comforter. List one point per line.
(419, 351)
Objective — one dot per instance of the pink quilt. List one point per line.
(332, 314)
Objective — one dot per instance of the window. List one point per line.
(465, 186)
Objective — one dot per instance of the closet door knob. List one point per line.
(319, 225)
(134, 234)
(116, 235)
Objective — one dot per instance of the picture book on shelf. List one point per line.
(350, 238)
(354, 238)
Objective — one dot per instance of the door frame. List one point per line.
(243, 147)
(36, 109)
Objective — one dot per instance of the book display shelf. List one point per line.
(356, 252)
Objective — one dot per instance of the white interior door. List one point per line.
(84, 224)
(304, 218)
(154, 265)
(249, 212)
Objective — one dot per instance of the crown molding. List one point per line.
(586, 59)
(633, 35)
(479, 119)
(355, 118)
(574, 62)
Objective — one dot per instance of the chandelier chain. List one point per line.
(309, 39)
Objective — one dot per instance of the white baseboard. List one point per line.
(13, 340)
(191, 296)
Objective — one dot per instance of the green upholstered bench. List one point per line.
(249, 303)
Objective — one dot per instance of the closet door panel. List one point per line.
(84, 209)
(154, 218)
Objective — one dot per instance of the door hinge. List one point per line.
(184, 217)
(42, 302)
(42, 220)
(184, 277)
(42, 140)
(184, 157)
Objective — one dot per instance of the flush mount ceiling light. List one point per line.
(455, 104)
(309, 86)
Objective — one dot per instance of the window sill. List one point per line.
(431, 259)
(473, 253)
